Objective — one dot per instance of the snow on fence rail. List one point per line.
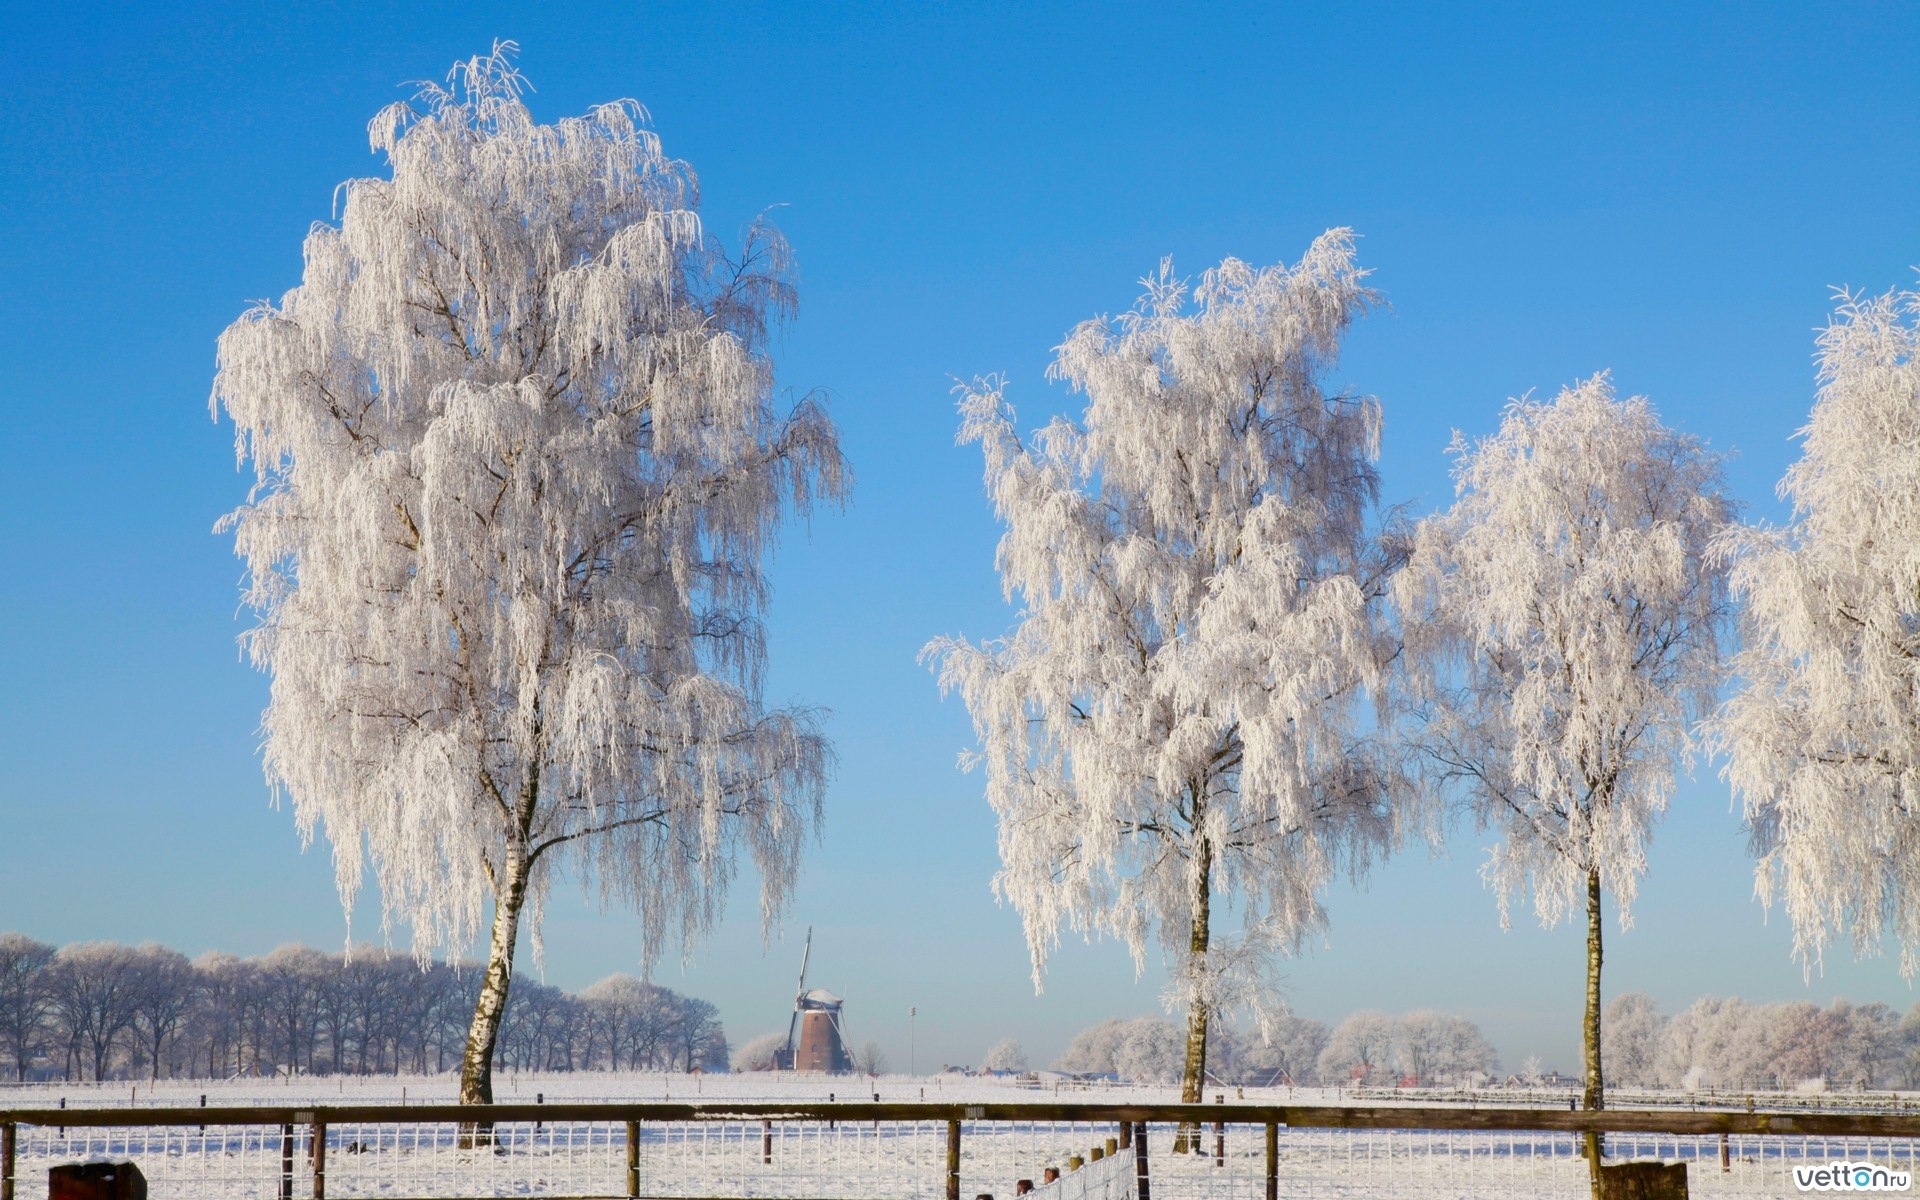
(858, 1151)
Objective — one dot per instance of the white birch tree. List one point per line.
(517, 468)
(1562, 625)
(1821, 741)
(1175, 716)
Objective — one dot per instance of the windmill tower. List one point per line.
(816, 1040)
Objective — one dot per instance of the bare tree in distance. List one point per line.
(96, 989)
(167, 990)
(870, 1060)
(26, 996)
(517, 468)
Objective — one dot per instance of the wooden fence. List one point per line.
(1129, 1119)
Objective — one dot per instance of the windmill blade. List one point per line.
(805, 954)
(792, 1063)
(845, 1050)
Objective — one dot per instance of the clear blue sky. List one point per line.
(1543, 191)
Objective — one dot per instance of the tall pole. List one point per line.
(913, 1011)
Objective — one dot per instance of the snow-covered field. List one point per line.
(839, 1159)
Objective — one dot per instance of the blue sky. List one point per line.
(1543, 191)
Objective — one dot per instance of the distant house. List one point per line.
(1546, 1079)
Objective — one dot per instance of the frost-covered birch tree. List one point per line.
(1562, 625)
(1822, 738)
(517, 468)
(1172, 729)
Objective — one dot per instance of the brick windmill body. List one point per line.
(816, 1041)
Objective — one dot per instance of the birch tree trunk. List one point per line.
(476, 1062)
(1594, 1097)
(1195, 1076)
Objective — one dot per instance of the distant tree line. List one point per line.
(101, 1010)
(1727, 1043)
(1715, 1043)
(1369, 1046)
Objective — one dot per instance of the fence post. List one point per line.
(1141, 1186)
(6, 1160)
(319, 1160)
(1126, 1135)
(286, 1162)
(1726, 1163)
(953, 1160)
(633, 1158)
(1220, 1136)
(766, 1141)
(1273, 1161)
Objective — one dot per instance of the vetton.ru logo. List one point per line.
(1851, 1177)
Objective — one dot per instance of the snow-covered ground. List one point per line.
(841, 1159)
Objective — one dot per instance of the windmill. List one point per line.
(815, 1039)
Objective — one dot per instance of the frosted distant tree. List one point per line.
(1563, 620)
(1092, 1049)
(1360, 1048)
(1174, 717)
(1143, 1049)
(1867, 1052)
(761, 1053)
(1439, 1048)
(1905, 1055)
(518, 466)
(1714, 1042)
(1150, 1050)
(1004, 1055)
(1286, 1049)
(1634, 1028)
(1822, 739)
(1798, 1043)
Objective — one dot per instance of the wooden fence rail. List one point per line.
(1131, 1120)
(1299, 1116)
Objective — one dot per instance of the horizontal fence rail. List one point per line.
(941, 1151)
